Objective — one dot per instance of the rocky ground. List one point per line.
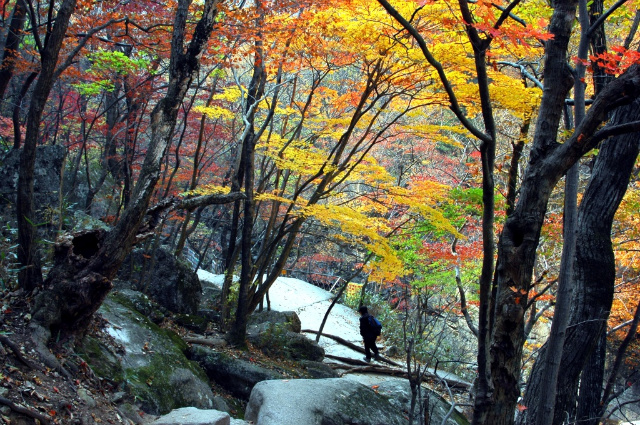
(31, 393)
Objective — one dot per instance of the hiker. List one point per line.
(370, 330)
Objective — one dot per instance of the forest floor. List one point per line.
(31, 393)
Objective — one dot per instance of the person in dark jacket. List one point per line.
(368, 335)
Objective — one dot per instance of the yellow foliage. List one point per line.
(207, 189)
(214, 112)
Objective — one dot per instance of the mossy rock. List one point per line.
(277, 341)
(155, 372)
(192, 322)
(103, 360)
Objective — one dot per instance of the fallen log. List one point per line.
(367, 367)
(350, 345)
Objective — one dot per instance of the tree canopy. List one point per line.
(414, 146)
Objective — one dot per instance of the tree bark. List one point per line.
(594, 267)
(12, 42)
(30, 275)
(595, 261)
(238, 332)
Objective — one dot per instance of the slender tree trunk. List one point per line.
(11, 45)
(30, 276)
(238, 332)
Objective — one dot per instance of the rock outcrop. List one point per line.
(47, 172)
(235, 375)
(147, 361)
(169, 281)
(319, 402)
(277, 334)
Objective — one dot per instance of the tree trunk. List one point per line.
(594, 267)
(30, 275)
(237, 334)
(12, 42)
(521, 232)
(81, 278)
(595, 261)
(589, 397)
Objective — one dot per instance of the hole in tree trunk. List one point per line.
(86, 245)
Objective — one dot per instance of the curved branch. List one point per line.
(24, 411)
(616, 130)
(453, 101)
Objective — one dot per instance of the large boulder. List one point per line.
(399, 393)
(148, 362)
(319, 402)
(235, 375)
(170, 281)
(287, 319)
(193, 416)
(277, 335)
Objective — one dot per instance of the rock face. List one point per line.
(150, 366)
(277, 335)
(399, 393)
(319, 402)
(288, 319)
(169, 281)
(48, 167)
(235, 375)
(193, 416)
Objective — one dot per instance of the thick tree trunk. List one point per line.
(521, 232)
(591, 380)
(595, 261)
(594, 267)
(84, 275)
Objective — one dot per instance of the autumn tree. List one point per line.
(85, 265)
(501, 335)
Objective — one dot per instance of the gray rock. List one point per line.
(275, 340)
(210, 295)
(151, 367)
(318, 370)
(193, 416)
(86, 397)
(289, 319)
(169, 281)
(220, 404)
(319, 402)
(235, 375)
(399, 393)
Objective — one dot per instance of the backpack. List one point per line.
(375, 325)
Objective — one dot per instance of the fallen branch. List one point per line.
(24, 411)
(347, 360)
(350, 345)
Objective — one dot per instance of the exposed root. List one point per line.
(40, 336)
(16, 351)
(24, 411)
